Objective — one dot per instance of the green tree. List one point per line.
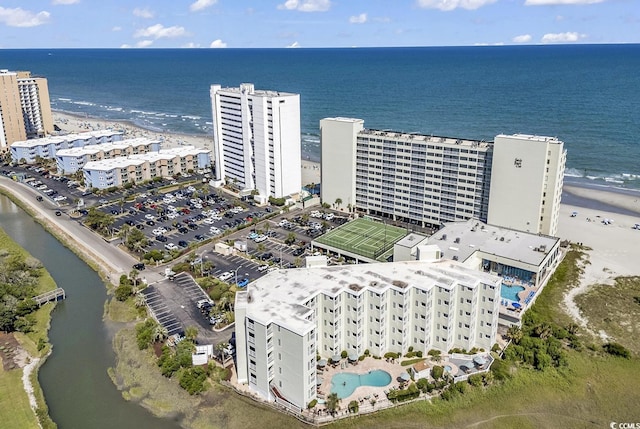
(291, 238)
(437, 372)
(338, 202)
(191, 333)
(333, 403)
(514, 333)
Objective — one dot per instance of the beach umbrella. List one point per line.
(353, 356)
(405, 376)
(335, 358)
(479, 360)
(516, 305)
(322, 363)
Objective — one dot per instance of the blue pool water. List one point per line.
(448, 368)
(345, 383)
(511, 292)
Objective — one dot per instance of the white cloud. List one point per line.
(358, 19)
(447, 5)
(559, 2)
(116, 28)
(191, 45)
(201, 4)
(144, 43)
(294, 45)
(159, 31)
(22, 18)
(218, 43)
(55, 2)
(306, 5)
(125, 46)
(143, 12)
(523, 38)
(562, 37)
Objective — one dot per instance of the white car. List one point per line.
(225, 276)
(329, 216)
(260, 238)
(215, 231)
(208, 221)
(262, 268)
(190, 188)
(59, 198)
(149, 216)
(170, 246)
(172, 215)
(42, 187)
(283, 222)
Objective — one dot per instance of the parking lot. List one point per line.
(174, 304)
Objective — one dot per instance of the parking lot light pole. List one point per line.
(235, 272)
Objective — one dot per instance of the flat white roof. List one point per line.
(65, 138)
(342, 119)
(530, 137)
(280, 295)
(258, 92)
(138, 159)
(94, 148)
(462, 239)
(417, 137)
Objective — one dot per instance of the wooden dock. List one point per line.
(53, 295)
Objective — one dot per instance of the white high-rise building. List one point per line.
(514, 181)
(256, 139)
(526, 183)
(288, 317)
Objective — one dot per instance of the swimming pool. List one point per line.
(345, 383)
(448, 368)
(511, 292)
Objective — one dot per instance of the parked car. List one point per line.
(225, 276)
(170, 246)
(243, 283)
(140, 266)
(183, 243)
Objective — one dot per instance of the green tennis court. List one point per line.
(364, 237)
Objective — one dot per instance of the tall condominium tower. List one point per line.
(25, 108)
(526, 183)
(11, 119)
(514, 181)
(256, 139)
(36, 106)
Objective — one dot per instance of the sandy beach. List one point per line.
(77, 124)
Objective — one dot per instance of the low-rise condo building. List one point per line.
(288, 317)
(47, 147)
(68, 161)
(429, 180)
(256, 139)
(139, 168)
(525, 261)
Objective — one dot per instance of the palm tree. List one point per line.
(124, 232)
(191, 333)
(140, 300)
(160, 333)
(514, 333)
(333, 403)
(572, 328)
(543, 330)
(338, 202)
(133, 275)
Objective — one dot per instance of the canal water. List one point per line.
(74, 378)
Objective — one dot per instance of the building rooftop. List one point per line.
(421, 138)
(462, 239)
(280, 296)
(92, 149)
(531, 137)
(138, 159)
(411, 240)
(258, 92)
(65, 138)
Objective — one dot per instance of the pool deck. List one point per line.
(362, 393)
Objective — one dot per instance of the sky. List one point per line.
(313, 23)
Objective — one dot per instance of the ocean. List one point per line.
(586, 95)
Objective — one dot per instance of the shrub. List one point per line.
(422, 384)
(312, 404)
(353, 406)
(436, 372)
(123, 292)
(391, 355)
(476, 380)
(144, 333)
(617, 349)
(344, 354)
(277, 201)
(434, 352)
(192, 380)
(419, 353)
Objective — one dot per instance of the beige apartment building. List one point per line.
(25, 107)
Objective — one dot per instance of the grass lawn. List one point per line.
(15, 411)
(615, 310)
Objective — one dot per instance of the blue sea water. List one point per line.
(586, 95)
